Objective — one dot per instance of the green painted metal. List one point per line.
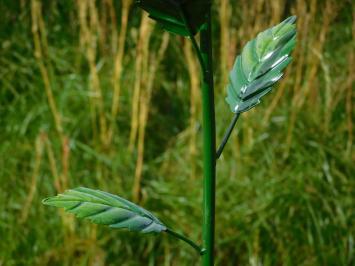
(107, 209)
(227, 135)
(209, 145)
(103, 208)
(255, 71)
(260, 65)
(167, 14)
(175, 234)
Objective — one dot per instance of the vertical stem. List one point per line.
(209, 145)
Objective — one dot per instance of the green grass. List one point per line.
(276, 205)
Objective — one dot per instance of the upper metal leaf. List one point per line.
(260, 65)
(169, 14)
(104, 208)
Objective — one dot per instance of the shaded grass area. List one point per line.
(285, 186)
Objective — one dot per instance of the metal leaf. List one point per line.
(168, 14)
(107, 209)
(260, 65)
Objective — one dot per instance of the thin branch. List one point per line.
(227, 135)
(199, 249)
(193, 40)
(199, 55)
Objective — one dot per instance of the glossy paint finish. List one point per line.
(209, 145)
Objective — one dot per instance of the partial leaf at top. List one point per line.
(260, 65)
(169, 14)
(107, 209)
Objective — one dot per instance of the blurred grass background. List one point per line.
(93, 93)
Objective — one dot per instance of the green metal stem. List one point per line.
(192, 38)
(227, 135)
(204, 54)
(199, 249)
(209, 145)
(199, 55)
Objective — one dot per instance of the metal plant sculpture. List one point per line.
(255, 71)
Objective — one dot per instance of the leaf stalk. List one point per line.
(193, 40)
(199, 249)
(227, 135)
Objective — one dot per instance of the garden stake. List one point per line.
(209, 145)
(255, 71)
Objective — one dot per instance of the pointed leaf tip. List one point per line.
(291, 19)
(260, 65)
(107, 209)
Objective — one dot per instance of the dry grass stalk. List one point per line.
(113, 24)
(89, 31)
(95, 80)
(313, 60)
(300, 55)
(83, 40)
(60, 182)
(103, 27)
(328, 95)
(277, 9)
(53, 166)
(224, 17)
(280, 90)
(118, 66)
(260, 8)
(38, 39)
(83, 27)
(33, 186)
(145, 31)
(145, 98)
(41, 49)
(349, 97)
(193, 69)
(65, 163)
(245, 30)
